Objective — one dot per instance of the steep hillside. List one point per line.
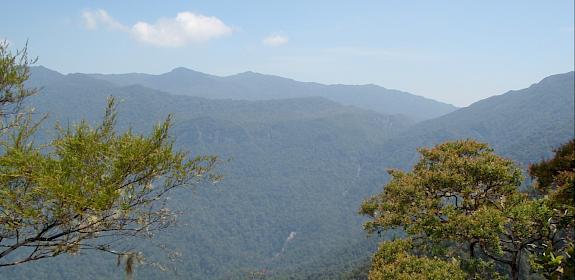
(525, 125)
(294, 167)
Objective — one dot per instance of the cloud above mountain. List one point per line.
(275, 40)
(100, 18)
(183, 29)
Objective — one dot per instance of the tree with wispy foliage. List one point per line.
(461, 205)
(89, 188)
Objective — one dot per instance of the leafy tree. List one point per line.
(555, 176)
(555, 179)
(14, 72)
(90, 188)
(461, 201)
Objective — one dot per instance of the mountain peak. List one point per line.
(252, 85)
(44, 70)
(40, 75)
(249, 74)
(185, 74)
(256, 75)
(182, 70)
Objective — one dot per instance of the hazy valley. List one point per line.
(298, 159)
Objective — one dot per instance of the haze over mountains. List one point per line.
(255, 86)
(302, 160)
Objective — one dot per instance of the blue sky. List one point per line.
(453, 51)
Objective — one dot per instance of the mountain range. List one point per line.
(298, 160)
(255, 86)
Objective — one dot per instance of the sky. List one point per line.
(457, 52)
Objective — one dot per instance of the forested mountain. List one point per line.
(294, 166)
(525, 125)
(298, 169)
(255, 86)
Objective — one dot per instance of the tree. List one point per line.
(90, 188)
(14, 72)
(461, 202)
(555, 180)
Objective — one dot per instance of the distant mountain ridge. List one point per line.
(298, 165)
(255, 86)
(295, 164)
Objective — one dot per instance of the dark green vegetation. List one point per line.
(464, 216)
(554, 256)
(299, 165)
(255, 86)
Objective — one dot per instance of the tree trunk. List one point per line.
(514, 272)
(515, 267)
(472, 249)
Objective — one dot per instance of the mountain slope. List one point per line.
(525, 125)
(255, 86)
(294, 167)
(300, 166)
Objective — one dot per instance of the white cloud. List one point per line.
(94, 19)
(184, 29)
(275, 40)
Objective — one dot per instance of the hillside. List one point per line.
(255, 86)
(525, 125)
(294, 166)
(299, 165)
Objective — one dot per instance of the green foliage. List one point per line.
(294, 167)
(447, 194)
(461, 200)
(14, 72)
(393, 262)
(555, 177)
(90, 188)
(553, 256)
